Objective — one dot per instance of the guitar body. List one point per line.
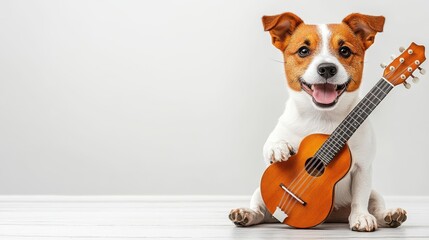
(314, 186)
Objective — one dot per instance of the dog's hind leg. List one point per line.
(385, 217)
(256, 214)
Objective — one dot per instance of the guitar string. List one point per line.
(363, 119)
(298, 177)
(369, 98)
(382, 89)
(317, 155)
(386, 87)
(312, 166)
(280, 203)
(315, 169)
(343, 132)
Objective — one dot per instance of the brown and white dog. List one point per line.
(323, 66)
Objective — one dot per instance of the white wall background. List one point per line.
(176, 97)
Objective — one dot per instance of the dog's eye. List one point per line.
(345, 52)
(303, 51)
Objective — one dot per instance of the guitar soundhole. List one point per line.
(314, 167)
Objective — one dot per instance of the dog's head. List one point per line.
(323, 61)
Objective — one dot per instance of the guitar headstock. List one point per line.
(403, 66)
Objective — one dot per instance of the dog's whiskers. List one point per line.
(275, 60)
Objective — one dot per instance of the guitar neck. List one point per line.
(352, 122)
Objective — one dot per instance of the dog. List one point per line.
(323, 66)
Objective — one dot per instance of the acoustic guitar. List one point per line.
(300, 191)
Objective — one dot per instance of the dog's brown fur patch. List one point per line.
(295, 66)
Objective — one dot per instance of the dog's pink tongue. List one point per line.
(325, 93)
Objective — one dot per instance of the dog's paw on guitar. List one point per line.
(278, 151)
(395, 217)
(244, 217)
(363, 222)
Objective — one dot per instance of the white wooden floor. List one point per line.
(184, 217)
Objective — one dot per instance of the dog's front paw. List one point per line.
(362, 222)
(395, 217)
(242, 216)
(278, 151)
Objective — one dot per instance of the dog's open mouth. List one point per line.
(325, 94)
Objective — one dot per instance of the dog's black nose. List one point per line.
(327, 70)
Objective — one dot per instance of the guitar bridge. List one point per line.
(279, 214)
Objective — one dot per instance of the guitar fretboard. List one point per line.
(354, 119)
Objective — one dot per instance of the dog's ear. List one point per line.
(365, 26)
(281, 28)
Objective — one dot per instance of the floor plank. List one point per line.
(171, 217)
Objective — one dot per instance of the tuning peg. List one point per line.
(407, 85)
(422, 71)
(401, 49)
(415, 79)
(383, 65)
(393, 56)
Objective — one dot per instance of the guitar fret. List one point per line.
(375, 96)
(351, 123)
